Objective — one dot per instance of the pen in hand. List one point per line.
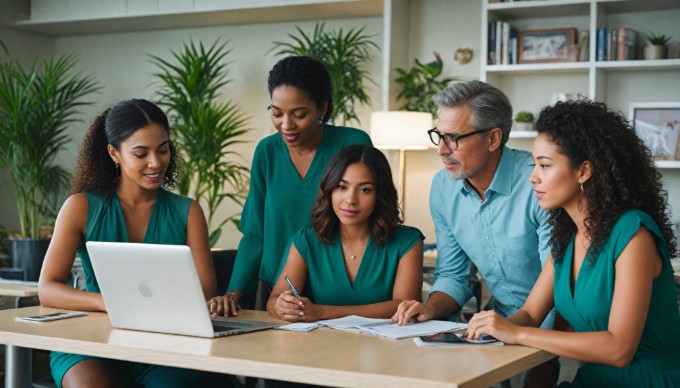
(292, 288)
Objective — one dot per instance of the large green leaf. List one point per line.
(206, 131)
(36, 107)
(420, 83)
(343, 54)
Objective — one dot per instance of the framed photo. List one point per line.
(544, 46)
(658, 125)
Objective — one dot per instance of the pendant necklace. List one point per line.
(354, 255)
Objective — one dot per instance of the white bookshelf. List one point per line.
(522, 134)
(617, 83)
(670, 164)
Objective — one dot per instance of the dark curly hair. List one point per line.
(306, 74)
(623, 174)
(385, 218)
(95, 170)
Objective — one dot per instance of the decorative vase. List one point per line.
(655, 52)
(523, 126)
(28, 255)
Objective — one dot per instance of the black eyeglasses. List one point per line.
(451, 141)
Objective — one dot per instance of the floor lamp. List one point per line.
(402, 131)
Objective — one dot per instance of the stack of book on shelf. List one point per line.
(616, 44)
(502, 44)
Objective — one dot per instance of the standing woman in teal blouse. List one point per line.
(610, 274)
(285, 174)
(356, 256)
(125, 161)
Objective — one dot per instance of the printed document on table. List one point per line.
(298, 326)
(352, 323)
(395, 331)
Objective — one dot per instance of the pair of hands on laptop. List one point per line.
(226, 305)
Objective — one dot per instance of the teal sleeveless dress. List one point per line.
(374, 283)
(105, 222)
(657, 359)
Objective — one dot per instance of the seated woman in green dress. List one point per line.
(610, 274)
(356, 256)
(125, 161)
(284, 176)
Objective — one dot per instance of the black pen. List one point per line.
(292, 288)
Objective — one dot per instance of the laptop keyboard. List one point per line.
(221, 328)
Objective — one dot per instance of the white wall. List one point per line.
(442, 26)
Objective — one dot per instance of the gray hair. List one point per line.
(490, 107)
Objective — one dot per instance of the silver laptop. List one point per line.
(153, 287)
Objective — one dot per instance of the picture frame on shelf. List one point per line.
(658, 125)
(548, 45)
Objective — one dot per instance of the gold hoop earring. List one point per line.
(117, 178)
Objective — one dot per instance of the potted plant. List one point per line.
(656, 47)
(206, 131)
(36, 106)
(420, 83)
(343, 54)
(524, 121)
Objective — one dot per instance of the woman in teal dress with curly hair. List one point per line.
(125, 162)
(610, 274)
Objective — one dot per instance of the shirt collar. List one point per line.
(502, 179)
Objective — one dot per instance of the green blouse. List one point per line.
(374, 282)
(657, 359)
(279, 203)
(105, 222)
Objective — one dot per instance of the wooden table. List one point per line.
(324, 356)
(18, 289)
(17, 360)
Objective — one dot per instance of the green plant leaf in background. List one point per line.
(343, 54)
(420, 83)
(658, 39)
(206, 131)
(36, 107)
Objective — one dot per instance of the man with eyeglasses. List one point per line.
(483, 207)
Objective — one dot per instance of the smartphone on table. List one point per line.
(51, 317)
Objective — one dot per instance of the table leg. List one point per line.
(18, 364)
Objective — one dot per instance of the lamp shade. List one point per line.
(401, 130)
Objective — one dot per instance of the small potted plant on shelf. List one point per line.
(656, 49)
(524, 121)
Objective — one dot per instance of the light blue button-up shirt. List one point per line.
(506, 236)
